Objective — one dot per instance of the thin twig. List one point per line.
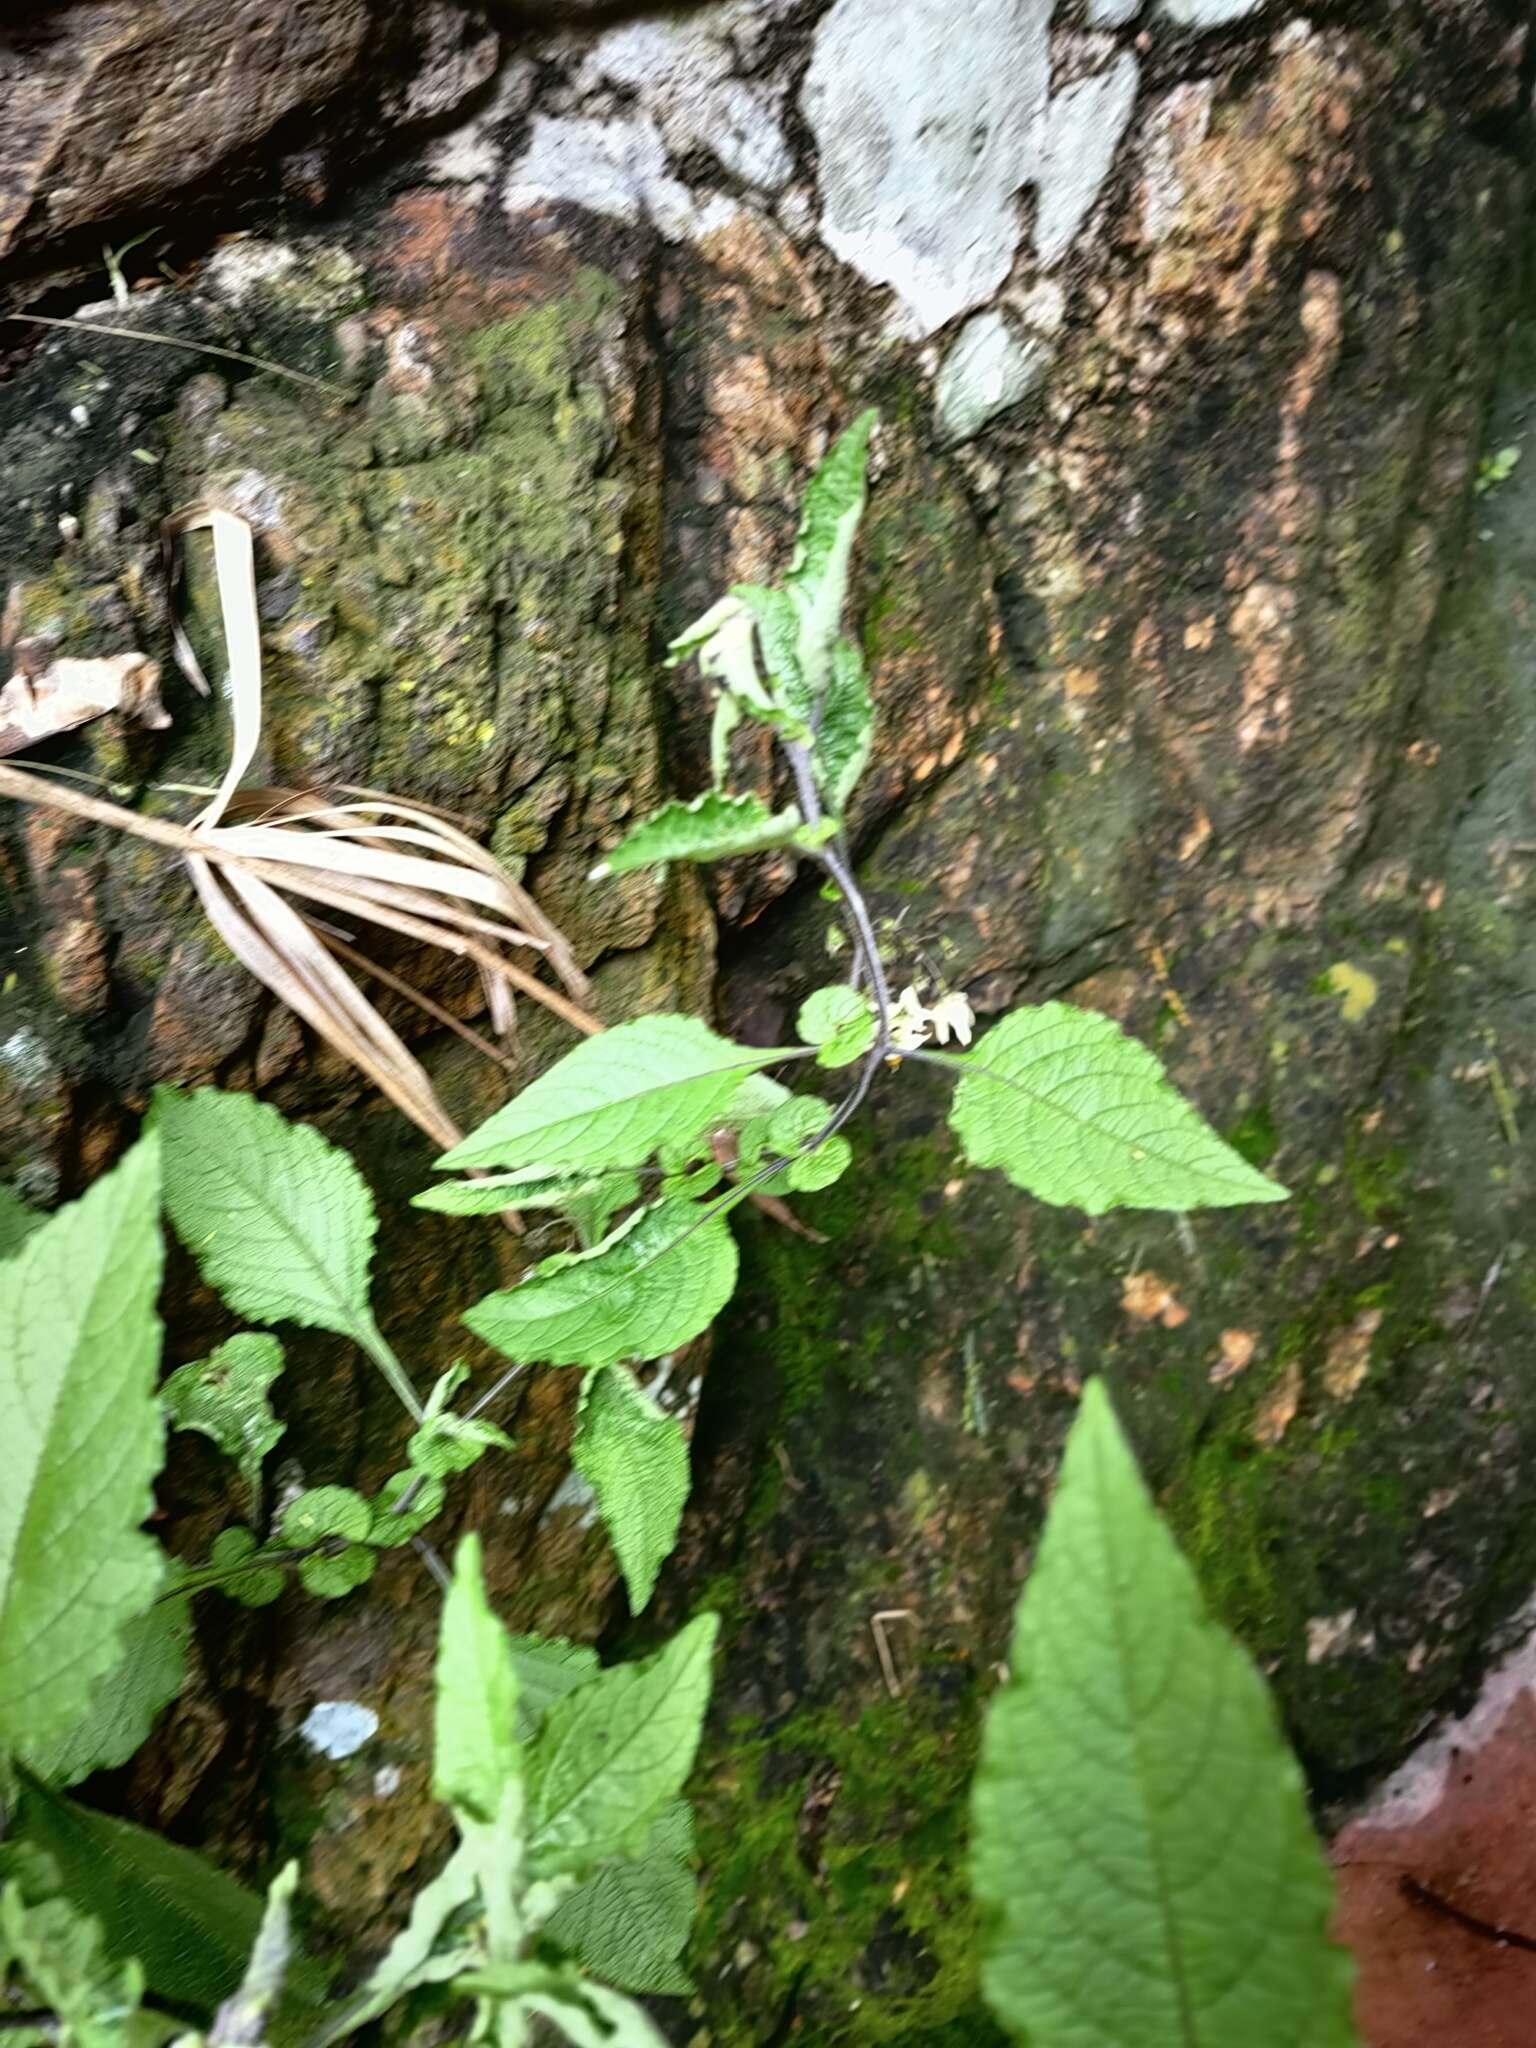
(200, 348)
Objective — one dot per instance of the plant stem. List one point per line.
(372, 1340)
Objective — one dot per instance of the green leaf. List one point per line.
(723, 641)
(334, 1577)
(839, 1022)
(713, 826)
(79, 1356)
(846, 728)
(225, 1397)
(818, 579)
(326, 1511)
(53, 1957)
(392, 1527)
(258, 1587)
(610, 1756)
(778, 633)
(725, 721)
(796, 1123)
(452, 1443)
(18, 1220)
(584, 2014)
(242, 2019)
(589, 2015)
(657, 1282)
(414, 1956)
(497, 1191)
(1141, 1836)
(1077, 1113)
(128, 1698)
(629, 1923)
(190, 1926)
(634, 1456)
(279, 1220)
(548, 1667)
(615, 1098)
(809, 1172)
(476, 1754)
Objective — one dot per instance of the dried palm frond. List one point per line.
(259, 859)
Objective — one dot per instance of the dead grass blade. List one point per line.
(256, 856)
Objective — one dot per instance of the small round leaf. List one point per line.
(258, 1587)
(840, 1022)
(332, 1577)
(820, 1168)
(800, 1118)
(326, 1511)
(390, 1526)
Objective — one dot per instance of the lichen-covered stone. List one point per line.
(989, 369)
(115, 106)
(925, 139)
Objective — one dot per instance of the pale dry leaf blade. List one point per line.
(287, 969)
(234, 562)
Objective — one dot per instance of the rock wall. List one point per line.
(1201, 701)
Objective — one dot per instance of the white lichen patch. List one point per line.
(339, 1728)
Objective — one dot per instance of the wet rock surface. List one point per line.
(1200, 658)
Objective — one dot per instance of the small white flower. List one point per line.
(908, 1022)
(952, 1017)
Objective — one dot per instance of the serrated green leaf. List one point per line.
(657, 1282)
(54, 1958)
(497, 1191)
(79, 1356)
(615, 1098)
(279, 1220)
(818, 579)
(629, 1923)
(1141, 1835)
(391, 1526)
(326, 1511)
(190, 1926)
(846, 728)
(333, 1577)
(778, 633)
(225, 1397)
(809, 1172)
(634, 1456)
(795, 1122)
(840, 1022)
(1077, 1113)
(475, 1754)
(127, 1699)
(452, 1443)
(610, 1756)
(258, 1587)
(713, 826)
(18, 1220)
(548, 1667)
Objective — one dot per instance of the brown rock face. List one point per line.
(122, 104)
(1195, 614)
